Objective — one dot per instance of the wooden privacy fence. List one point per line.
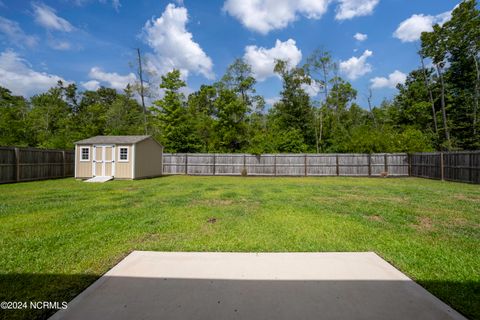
(463, 166)
(287, 164)
(27, 164)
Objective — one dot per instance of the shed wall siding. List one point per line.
(123, 170)
(148, 159)
(83, 169)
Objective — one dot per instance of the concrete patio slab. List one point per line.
(187, 285)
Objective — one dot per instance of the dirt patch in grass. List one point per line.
(349, 198)
(327, 199)
(225, 203)
(459, 222)
(208, 228)
(212, 220)
(424, 224)
(375, 218)
(370, 198)
(148, 237)
(461, 196)
(211, 202)
(462, 222)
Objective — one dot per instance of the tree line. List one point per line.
(435, 109)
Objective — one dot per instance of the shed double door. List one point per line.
(103, 160)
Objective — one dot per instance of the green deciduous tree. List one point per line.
(172, 117)
(294, 112)
(125, 116)
(13, 120)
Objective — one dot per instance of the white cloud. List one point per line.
(360, 36)
(266, 15)
(59, 44)
(18, 76)
(12, 31)
(91, 85)
(47, 18)
(173, 45)
(348, 9)
(312, 89)
(355, 67)
(115, 3)
(113, 79)
(272, 101)
(393, 79)
(411, 29)
(263, 60)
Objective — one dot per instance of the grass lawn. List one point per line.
(58, 236)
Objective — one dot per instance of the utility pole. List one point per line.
(142, 90)
(477, 89)
(444, 113)
(369, 100)
(430, 94)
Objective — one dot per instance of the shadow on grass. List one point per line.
(40, 287)
(167, 298)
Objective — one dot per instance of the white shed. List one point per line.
(118, 157)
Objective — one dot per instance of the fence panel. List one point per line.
(260, 165)
(37, 164)
(69, 163)
(8, 165)
(321, 165)
(353, 165)
(397, 164)
(463, 166)
(426, 165)
(200, 164)
(377, 164)
(229, 164)
(290, 165)
(174, 163)
(27, 164)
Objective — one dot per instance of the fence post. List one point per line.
(385, 162)
(338, 169)
(214, 162)
(186, 163)
(470, 167)
(409, 160)
(64, 164)
(274, 164)
(305, 160)
(369, 165)
(244, 162)
(17, 164)
(442, 167)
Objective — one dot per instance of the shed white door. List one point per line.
(103, 161)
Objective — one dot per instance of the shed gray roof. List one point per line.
(113, 139)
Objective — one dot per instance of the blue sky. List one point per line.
(92, 42)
